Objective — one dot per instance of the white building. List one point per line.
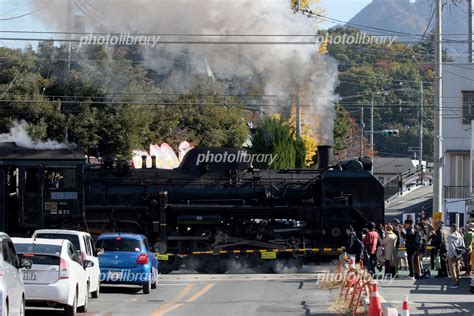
(458, 111)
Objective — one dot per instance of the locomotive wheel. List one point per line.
(288, 265)
(209, 264)
(173, 262)
(169, 266)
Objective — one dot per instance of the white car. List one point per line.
(85, 246)
(57, 278)
(12, 291)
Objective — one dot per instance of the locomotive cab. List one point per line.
(39, 186)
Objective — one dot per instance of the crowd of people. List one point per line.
(396, 246)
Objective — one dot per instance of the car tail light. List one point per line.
(142, 258)
(63, 269)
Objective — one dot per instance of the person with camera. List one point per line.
(456, 250)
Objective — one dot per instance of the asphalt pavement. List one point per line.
(185, 293)
(188, 293)
(431, 296)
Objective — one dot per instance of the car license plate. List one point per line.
(115, 276)
(30, 276)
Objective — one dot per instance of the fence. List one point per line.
(403, 181)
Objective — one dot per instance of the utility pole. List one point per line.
(438, 141)
(372, 133)
(298, 105)
(362, 131)
(471, 30)
(298, 112)
(420, 154)
(67, 66)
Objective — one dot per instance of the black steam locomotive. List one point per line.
(221, 207)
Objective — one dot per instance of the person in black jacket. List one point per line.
(439, 241)
(410, 242)
(354, 245)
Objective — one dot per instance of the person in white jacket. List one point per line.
(455, 241)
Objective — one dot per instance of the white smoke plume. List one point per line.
(279, 67)
(18, 134)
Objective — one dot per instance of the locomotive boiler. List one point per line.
(223, 208)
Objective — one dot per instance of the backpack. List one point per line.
(380, 254)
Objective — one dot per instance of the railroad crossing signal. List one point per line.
(390, 132)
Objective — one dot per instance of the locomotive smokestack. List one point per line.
(143, 162)
(324, 156)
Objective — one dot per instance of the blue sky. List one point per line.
(343, 9)
(337, 9)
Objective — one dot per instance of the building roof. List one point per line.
(11, 151)
(391, 165)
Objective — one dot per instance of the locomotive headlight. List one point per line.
(335, 232)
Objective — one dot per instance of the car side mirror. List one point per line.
(88, 264)
(156, 249)
(25, 263)
(99, 252)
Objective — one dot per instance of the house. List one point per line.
(458, 112)
(386, 168)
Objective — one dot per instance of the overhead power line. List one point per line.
(19, 16)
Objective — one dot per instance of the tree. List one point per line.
(390, 77)
(342, 126)
(109, 101)
(274, 136)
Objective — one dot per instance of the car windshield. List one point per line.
(38, 249)
(74, 239)
(119, 244)
(41, 259)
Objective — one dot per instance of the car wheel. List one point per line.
(147, 287)
(6, 310)
(154, 284)
(22, 307)
(83, 309)
(71, 310)
(96, 293)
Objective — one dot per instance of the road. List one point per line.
(430, 296)
(187, 293)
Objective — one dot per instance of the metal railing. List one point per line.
(456, 192)
(403, 181)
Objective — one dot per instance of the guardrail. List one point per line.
(403, 181)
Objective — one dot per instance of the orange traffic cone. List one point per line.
(375, 307)
(405, 309)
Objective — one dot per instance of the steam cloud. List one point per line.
(19, 135)
(278, 67)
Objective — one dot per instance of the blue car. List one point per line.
(127, 259)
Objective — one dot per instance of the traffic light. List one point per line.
(390, 132)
